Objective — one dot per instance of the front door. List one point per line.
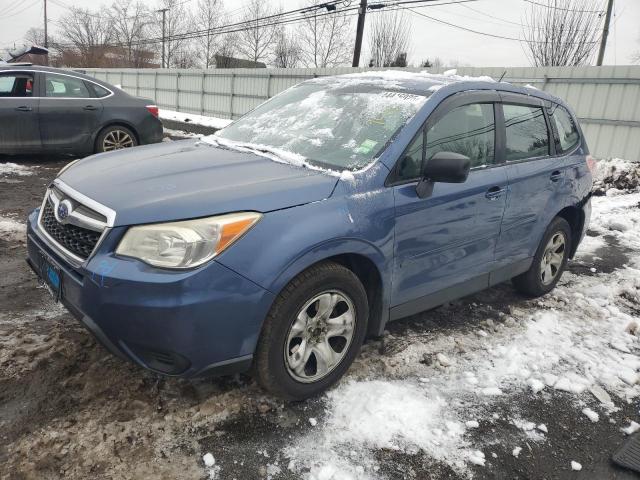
(69, 115)
(19, 130)
(446, 242)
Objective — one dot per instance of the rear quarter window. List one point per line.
(568, 136)
(98, 91)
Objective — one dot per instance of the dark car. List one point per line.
(51, 110)
(285, 239)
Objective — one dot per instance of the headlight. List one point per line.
(66, 167)
(185, 244)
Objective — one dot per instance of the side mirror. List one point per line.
(445, 167)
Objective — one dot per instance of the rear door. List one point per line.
(69, 112)
(448, 239)
(19, 129)
(536, 177)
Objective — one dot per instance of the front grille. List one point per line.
(77, 240)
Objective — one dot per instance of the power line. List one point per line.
(240, 26)
(554, 7)
(20, 11)
(477, 31)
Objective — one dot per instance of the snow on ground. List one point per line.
(14, 169)
(212, 122)
(580, 341)
(12, 230)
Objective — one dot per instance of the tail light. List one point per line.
(153, 110)
(591, 164)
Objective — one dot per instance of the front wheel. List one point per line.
(313, 332)
(549, 262)
(115, 137)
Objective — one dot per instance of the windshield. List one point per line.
(339, 126)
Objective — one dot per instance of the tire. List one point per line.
(280, 347)
(545, 270)
(115, 137)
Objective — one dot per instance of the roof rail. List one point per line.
(20, 64)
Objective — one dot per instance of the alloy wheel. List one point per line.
(117, 139)
(552, 258)
(320, 336)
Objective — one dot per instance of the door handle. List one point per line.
(556, 175)
(90, 107)
(24, 108)
(495, 192)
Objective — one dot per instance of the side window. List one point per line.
(468, 130)
(410, 164)
(567, 131)
(16, 85)
(65, 87)
(99, 91)
(526, 132)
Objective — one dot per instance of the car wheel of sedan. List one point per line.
(549, 262)
(313, 332)
(115, 138)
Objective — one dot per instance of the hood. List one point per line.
(184, 179)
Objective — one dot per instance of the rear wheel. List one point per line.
(115, 137)
(313, 332)
(549, 262)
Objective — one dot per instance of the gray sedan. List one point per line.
(51, 110)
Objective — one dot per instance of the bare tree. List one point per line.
(85, 37)
(208, 16)
(176, 24)
(562, 33)
(257, 40)
(130, 22)
(34, 36)
(389, 38)
(635, 57)
(286, 53)
(325, 38)
(226, 51)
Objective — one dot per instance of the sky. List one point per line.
(429, 38)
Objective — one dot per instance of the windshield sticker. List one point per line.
(366, 146)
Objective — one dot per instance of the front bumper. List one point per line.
(194, 323)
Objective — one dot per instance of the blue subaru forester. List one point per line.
(280, 243)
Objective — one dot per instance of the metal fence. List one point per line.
(606, 99)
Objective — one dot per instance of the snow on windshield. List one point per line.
(334, 125)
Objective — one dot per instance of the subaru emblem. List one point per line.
(63, 210)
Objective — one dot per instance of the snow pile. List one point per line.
(616, 216)
(616, 175)
(11, 230)
(10, 168)
(382, 414)
(212, 122)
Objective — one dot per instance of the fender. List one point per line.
(344, 246)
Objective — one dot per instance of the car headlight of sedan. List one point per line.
(185, 244)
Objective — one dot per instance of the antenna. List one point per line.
(501, 77)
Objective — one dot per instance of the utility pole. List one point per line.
(359, 31)
(605, 33)
(164, 11)
(46, 40)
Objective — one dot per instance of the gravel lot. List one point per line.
(466, 390)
